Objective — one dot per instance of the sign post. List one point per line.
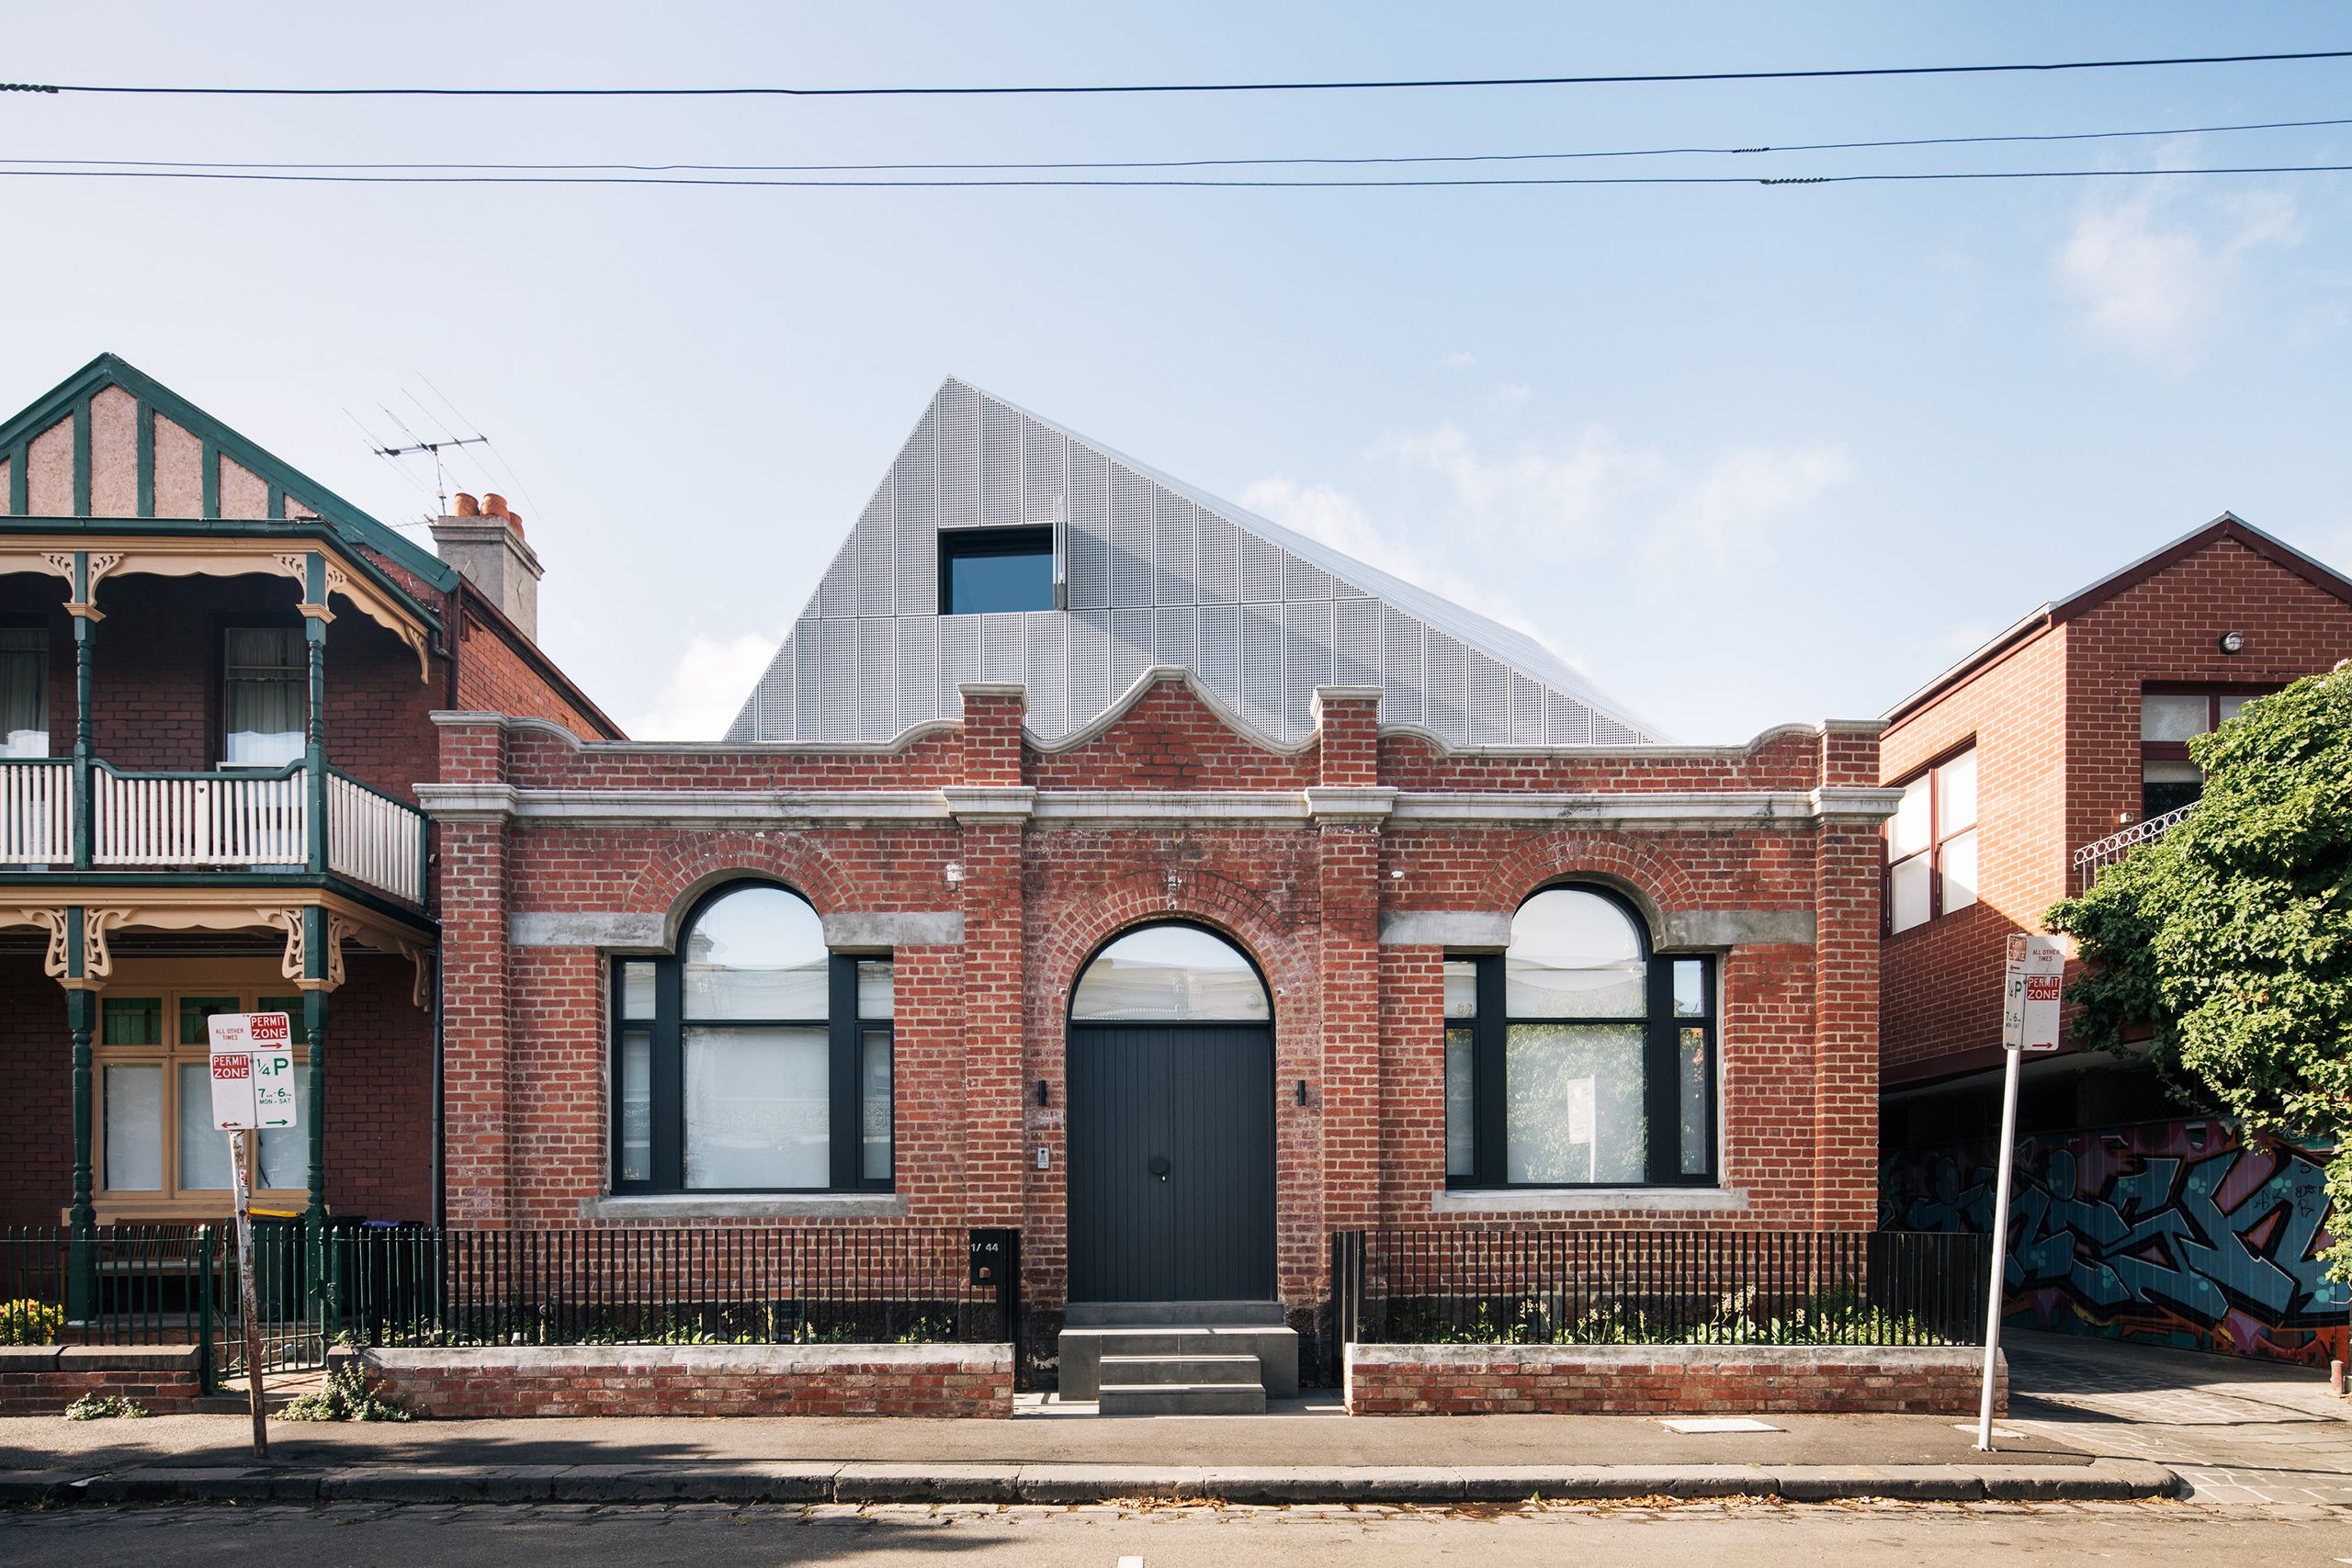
(253, 1087)
(2030, 1008)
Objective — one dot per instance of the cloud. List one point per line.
(1554, 501)
(1454, 364)
(1512, 394)
(706, 688)
(2151, 270)
(1336, 519)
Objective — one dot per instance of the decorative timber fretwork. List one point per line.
(127, 555)
(346, 922)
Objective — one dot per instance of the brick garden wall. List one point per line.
(557, 1380)
(1666, 1380)
(42, 1380)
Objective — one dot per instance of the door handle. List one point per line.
(1157, 1166)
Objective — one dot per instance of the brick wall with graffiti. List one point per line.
(2176, 1232)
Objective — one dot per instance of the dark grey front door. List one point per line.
(1171, 1162)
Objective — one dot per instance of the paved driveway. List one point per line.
(2238, 1431)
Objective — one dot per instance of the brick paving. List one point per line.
(2237, 1431)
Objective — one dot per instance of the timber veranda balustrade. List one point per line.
(263, 819)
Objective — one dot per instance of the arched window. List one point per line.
(1576, 1057)
(1169, 973)
(751, 1059)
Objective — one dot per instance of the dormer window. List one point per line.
(989, 571)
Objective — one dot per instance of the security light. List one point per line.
(2233, 642)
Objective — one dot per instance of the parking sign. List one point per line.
(253, 1070)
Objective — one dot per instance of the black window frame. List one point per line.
(844, 1082)
(1662, 1028)
(979, 544)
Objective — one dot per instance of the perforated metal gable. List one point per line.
(1155, 572)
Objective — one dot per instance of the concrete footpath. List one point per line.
(1301, 1452)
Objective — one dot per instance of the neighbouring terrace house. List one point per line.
(2024, 769)
(216, 682)
(1099, 859)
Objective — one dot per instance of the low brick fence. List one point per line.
(1667, 1379)
(697, 1379)
(42, 1380)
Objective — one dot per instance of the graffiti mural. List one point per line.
(2171, 1232)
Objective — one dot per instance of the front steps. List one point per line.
(1178, 1357)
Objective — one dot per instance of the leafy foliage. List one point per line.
(346, 1396)
(28, 1321)
(2230, 938)
(1836, 1318)
(104, 1408)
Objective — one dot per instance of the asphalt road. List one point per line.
(1598, 1535)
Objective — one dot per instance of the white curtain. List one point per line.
(266, 689)
(24, 691)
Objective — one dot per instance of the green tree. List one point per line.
(2230, 938)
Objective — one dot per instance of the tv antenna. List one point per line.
(440, 482)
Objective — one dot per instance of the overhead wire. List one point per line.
(1367, 159)
(1100, 88)
(603, 181)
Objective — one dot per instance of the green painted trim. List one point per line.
(19, 481)
(325, 1261)
(298, 532)
(210, 470)
(82, 1282)
(81, 455)
(276, 501)
(283, 771)
(145, 425)
(347, 523)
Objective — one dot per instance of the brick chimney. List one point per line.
(484, 541)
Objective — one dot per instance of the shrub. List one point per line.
(102, 1407)
(346, 1396)
(28, 1321)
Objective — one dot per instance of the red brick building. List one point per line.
(2025, 768)
(1141, 919)
(216, 684)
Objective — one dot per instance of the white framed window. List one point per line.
(1931, 857)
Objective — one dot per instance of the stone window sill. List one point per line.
(1592, 1199)
(746, 1206)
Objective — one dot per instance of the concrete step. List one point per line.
(1195, 1371)
(1184, 1399)
(1197, 1314)
(1082, 1349)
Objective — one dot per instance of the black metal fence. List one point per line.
(681, 1286)
(416, 1285)
(1555, 1286)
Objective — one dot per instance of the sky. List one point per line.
(1743, 455)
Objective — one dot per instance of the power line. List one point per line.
(1314, 161)
(1432, 183)
(1070, 89)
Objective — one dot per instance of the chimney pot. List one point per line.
(493, 505)
(468, 506)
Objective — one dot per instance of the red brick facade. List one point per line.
(2055, 716)
(1166, 810)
